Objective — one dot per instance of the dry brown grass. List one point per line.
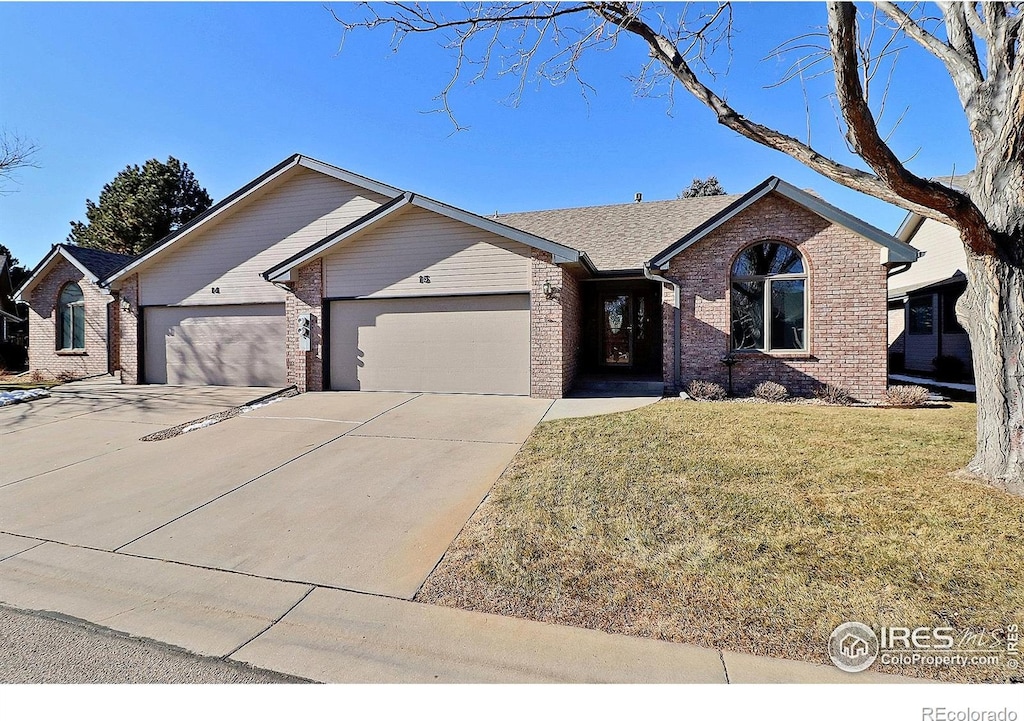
(754, 528)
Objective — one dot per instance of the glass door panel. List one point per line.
(617, 336)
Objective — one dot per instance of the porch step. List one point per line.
(621, 388)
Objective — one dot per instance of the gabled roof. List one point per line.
(896, 251)
(94, 264)
(268, 178)
(623, 236)
(394, 208)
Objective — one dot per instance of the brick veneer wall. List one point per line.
(554, 327)
(128, 330)
(43, 318)
(847, 321)
(305, 368)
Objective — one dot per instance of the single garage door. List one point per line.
(457, 344)
(231, 345)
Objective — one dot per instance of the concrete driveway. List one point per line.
(358, 491)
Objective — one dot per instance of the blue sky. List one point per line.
(232, 89)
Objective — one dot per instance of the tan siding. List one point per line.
(944, 255)
(458, 258)
(231, 254)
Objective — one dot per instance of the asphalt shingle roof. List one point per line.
(620, 237)
(100, 262)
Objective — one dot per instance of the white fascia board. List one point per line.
(560, 253)
(359, 181)
(39, 272)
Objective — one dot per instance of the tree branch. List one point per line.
(863, 135)
(965, 75)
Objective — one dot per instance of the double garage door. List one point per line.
(231, 345)
(453, 344)
(457, 344)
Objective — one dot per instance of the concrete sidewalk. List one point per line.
(337, 636)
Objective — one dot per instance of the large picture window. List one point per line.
(921, 316)
(71, 328)
(769, 299)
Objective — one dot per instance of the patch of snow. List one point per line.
(929, 382)
(10, 397)
(262, 404)
(202, 424)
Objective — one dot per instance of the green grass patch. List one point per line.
(746, 527)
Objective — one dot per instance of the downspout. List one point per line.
(676, 293)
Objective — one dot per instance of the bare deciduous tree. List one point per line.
(979, 47)
(15, 152)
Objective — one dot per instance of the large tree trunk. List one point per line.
(992, 311)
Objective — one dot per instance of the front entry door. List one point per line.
(617, 330)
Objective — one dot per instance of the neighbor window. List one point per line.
(769, 299)
(920, 316)
(71, 307)
(949, 322)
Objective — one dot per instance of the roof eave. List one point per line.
(37, 273)
(561, 254)
(894, 251)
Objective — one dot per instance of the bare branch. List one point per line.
(965, 75)
(16, 152)
(863, 134)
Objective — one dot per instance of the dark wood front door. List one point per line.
(628, 324)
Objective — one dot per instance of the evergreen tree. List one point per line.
(703, 188)
(140, 206)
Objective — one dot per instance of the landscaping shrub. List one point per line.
(771, 391)
(66, 376)
(37, 376)
(906, 396)
(706, 391)
(833, 395)
(948, 368)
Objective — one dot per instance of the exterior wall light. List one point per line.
(548, 289)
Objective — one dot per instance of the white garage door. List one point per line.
(460, 344)
(233, 345)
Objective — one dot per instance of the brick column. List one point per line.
(305, 368)
(127, 341)
(554, 328)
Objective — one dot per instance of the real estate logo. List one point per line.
(853, 646)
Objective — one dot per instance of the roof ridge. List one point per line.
(621, 205)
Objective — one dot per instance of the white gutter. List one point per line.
(676, 301)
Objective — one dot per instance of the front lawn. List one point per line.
(746, 527)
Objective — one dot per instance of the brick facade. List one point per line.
(555, 325)
(305, 368)
(847, 319)
(43, 355)
(127, 310)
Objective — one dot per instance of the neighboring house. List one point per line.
(315, 276)
(73, 322)
(922, 303)
(8, 310)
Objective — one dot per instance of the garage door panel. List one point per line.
(227, 345)
(463, 344)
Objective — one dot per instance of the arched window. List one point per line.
(71, 311)
(769, 299)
